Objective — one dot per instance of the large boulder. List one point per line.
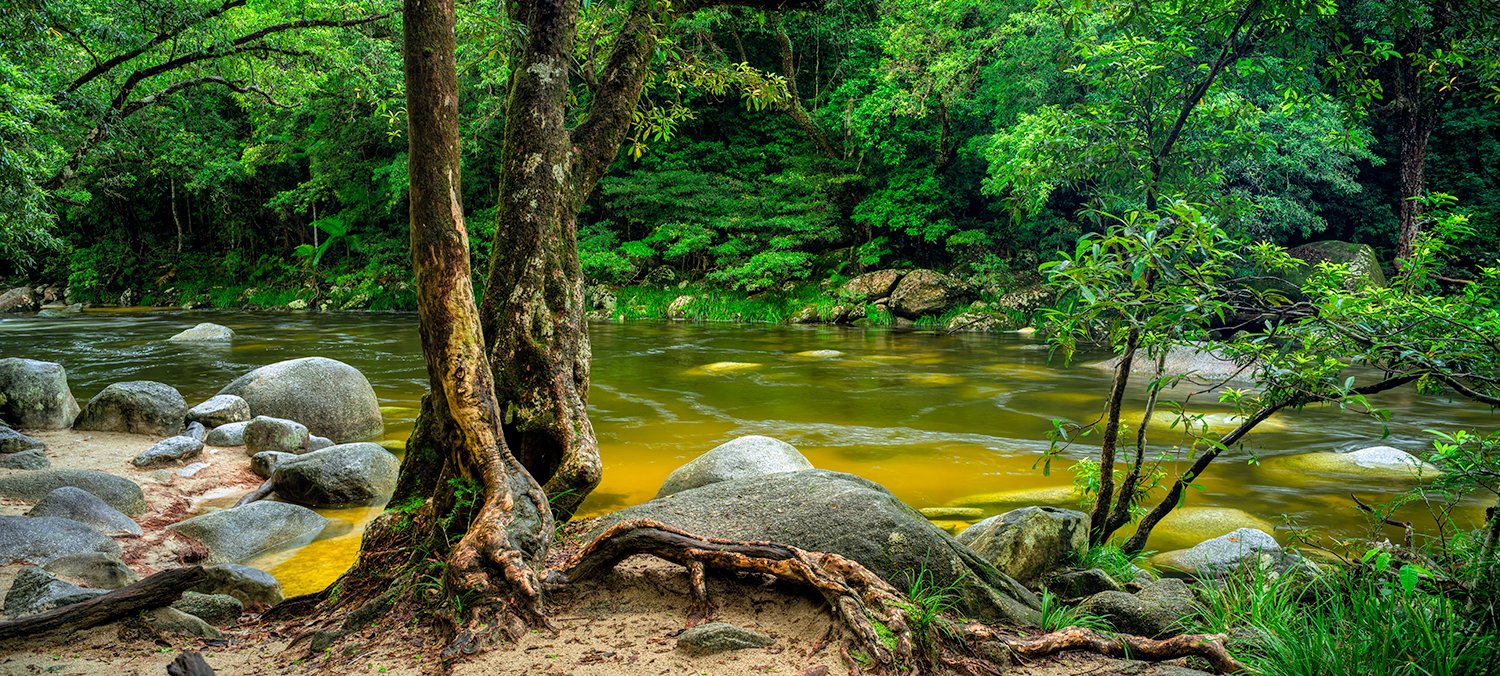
(68, 502)
(41, 539)
(924, 292)
(747, 456)
(1246, 548)
(871, 286)
(1030, 542)
(235, 535)
(220, 410)
(1363, 264)
(1161, 609)
(253, 587)
(35, 591)
(824, 511)
(12, 441)
(265, 433)
(35, 395)
(332, 398)
(92, 569)
(169, 450)
(204, 333)
(19, 299)
(338, 476)
(137, 407)
(118, 492)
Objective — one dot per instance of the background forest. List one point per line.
(229, 161)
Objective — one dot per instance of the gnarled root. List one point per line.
(859, 598)
(1207, 646)
(486, 565)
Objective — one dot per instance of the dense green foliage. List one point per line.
(180, 152)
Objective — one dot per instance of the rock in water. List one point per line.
(169, 450)
(12, 441)
(235, 535)
(744, 457)
(92, 569)
(924, 292)
(229, 434)
(218, 609)
(338, 476)
(254, 588)
(332, 398)
(220, 410)
(1227, 554)
(35, 591)
(824, 511)
(1030, 542)
(120, 493)
(137, 407)
(204, 333)
(717, 637)
(35, 395)
(264, 433)
(41, 539)
(86, 508)
(32, 459)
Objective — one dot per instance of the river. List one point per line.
(937, 419)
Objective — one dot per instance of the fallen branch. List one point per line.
(1210, 647)
(155, 591)
(260, 492)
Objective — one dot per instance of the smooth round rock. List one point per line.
(332, 398)
(32, 459)
(265, 433)
(264, 463)
(747, 456)
(118, 492)
(68, 502)
(12, 441)
(228, 434)
(238, 534)
(35, 395)
(216, 609)
(1029, 542)
(338, 476)
(1187, 526)
(168, 451)
(219, 410)
(717, 637)
(41, 539)
(253, 587)
(92, 569)
(207, 332)
(137, 407)
(35, 591)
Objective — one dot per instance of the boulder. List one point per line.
(332, 398)
(35, 591)
(871, 286)
(35, 395)
(68, 502)
(1160, 610)
(677, 309)
(228, 434)
(1076, 584)
(12, 441)
(1373, 463)
(220, 410)
(1364, 265)
(41, 539)
(204, 333)
(1187, 359)
(235, 535)
(980, 322)
(217, 609)
(317, 443)
(253, 587)
(824, 511)
(264, 433)
(717, 637)
(118, 492)
(1224, 555)
(32, 459)
(924, 292)
(1187, 526)
(169, 450)
(19, 299)
(747, 456)
(196, 431)
(137, 407)
(174, 622)
(265, 462)
(338, 476)
(92, 569)
(1030, 542)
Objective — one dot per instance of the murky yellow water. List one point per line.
(940, 420)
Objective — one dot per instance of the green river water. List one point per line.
(938, 419)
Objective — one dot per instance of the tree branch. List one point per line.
(123, 57)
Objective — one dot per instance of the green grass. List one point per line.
(1056, 615)
(1117, 564)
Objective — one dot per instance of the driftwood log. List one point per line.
(158, 590)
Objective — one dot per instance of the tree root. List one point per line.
(1210, 647)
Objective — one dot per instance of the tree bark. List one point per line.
(1415, 118)
(1099, 516)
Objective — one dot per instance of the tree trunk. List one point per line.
(501, 512)
(1415, 120)
(1099, 516)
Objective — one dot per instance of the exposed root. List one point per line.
(867, 606)
(1207, 646)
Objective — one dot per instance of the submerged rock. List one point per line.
(169, 450)
(264, 433)
(35, 395)
(92, 569)
(952, 513)
(118, 492)
(207, 332)
(1030, 542)
(41, 539)
(235, 535)
(137, 407)
(717, 637)
(35, 591)
(331, 398)
(747, 456)
(338, 476)
(219, 410)
(1375, 462)
(32, 459)
(68, 502)
(824, 511)
(228, 434)
(12, 441)
(1053, 496)
(1184, 360)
